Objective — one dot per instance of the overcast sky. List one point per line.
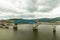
(29, 9)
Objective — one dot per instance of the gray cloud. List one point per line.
(7, 10)
(31, 6)
(51, 4)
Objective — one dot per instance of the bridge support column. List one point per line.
(35, 27)
(54, 29)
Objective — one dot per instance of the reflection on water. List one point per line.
(35, 35)
(44, 32)
(54, 36)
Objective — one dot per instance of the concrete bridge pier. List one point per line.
(54, 28)
(35, 27)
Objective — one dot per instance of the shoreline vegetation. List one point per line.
(42, 21)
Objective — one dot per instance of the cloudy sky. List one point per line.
(29, 9)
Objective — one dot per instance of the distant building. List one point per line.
(4, 21)
(23, 21)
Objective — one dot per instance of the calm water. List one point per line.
(25, 32)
